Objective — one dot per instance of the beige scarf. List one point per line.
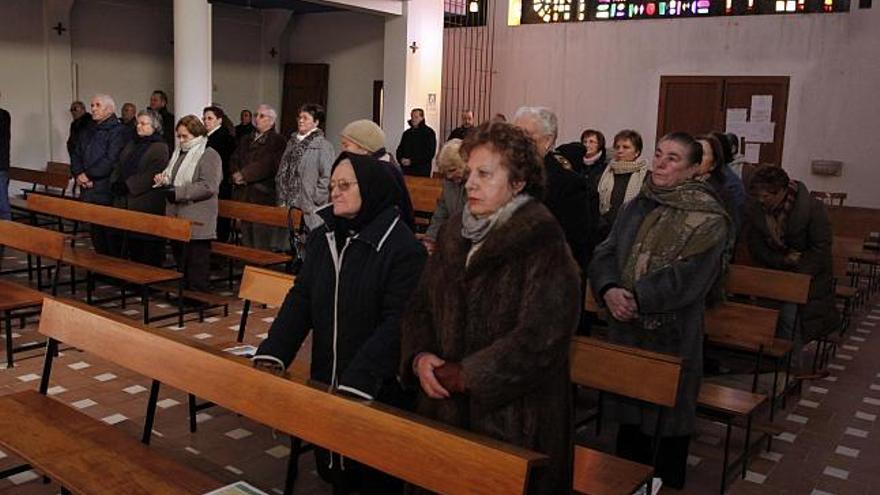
(638, 169)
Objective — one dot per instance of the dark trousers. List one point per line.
(419, 169)
(671, 466)
(194, 261)
(355, 477)
(104, 240)
(149, 251)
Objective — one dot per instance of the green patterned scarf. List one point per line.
(690, 220)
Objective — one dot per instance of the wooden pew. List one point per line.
(425, 193)
(650, 377)
(261, 286)
(129, 272)
(51, 182)
(850, 221)
(15, 298)
(273, 216)
(429, 454)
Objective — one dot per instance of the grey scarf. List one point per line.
(476, 229)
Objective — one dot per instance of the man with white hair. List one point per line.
(254, 164)
(566, 194)
(92, 162)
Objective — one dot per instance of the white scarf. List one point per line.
(194, 149)
(606, 182)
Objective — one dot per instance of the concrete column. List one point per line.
(412, 79)
(59, 75)
(192, 57)
(273, 49)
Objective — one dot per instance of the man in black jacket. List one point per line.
(417, 146)
(566, 194)
(94, 159)
(5, 138)
(81, 122)
(159, 103)
(467, 125)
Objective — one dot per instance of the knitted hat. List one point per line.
(366, 134)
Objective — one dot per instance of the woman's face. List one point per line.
(625, 151)
(305, 122)
(488, 185)
(344, 191)
(183, 135)
(671, 166)
(352, 147)
(592, 144)
(144, 126)
(211, 121)
(769, 199)
(456, 175)
(708, 162)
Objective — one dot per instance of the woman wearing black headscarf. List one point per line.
(360, 267)
(132, 187)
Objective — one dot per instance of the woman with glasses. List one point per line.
(360, 267)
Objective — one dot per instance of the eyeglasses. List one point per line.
(343, 185)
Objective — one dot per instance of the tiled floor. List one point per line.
(827, 445)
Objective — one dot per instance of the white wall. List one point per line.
(23, 80)
(236, 36)
(607, 75)
(352, 44)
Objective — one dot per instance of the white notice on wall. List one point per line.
(735, 116)
(741, 129)
(761, 132)
(753, 153)
(762, 107)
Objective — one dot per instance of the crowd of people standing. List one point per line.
(468, 323)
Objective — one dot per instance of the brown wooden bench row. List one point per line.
(387, 439)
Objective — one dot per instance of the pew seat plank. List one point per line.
(248, 255)
(727, 400)
(597, 473)
(87, 456)
(17, 296)
(118, 268)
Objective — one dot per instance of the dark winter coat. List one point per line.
(5, 138)
(224, 144)
(568, 198)
(142, 196)
(358, 304)
(77, 128)
(673, 296)
(257, 160)
(169, 132)
(808, 231)
(419, 144)
(508, 319)
(96, 155)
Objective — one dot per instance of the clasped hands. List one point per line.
(622, 304)
(439, 379)
(84, 182)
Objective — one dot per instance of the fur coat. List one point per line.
(508, 319)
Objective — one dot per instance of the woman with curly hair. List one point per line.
(487, 333)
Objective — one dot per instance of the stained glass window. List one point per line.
(550, 11)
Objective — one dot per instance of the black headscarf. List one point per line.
(379, 191)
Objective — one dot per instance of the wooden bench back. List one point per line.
(275, 216)
(34, 240)
(742, 325)
(428, 454)
(264, 286)
(173, 228)
(768, 284)
(39, 177)
(60, 168)
(636, 373)
(424, 193)
(853, 221)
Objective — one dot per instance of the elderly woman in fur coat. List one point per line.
(665, 253)
(487, 334)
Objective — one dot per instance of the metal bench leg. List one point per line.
(243, 322)
(180, 303)
(51, 352)
(757, 369)
(7, 317)
(192, 413)
(73, 283)
(122, 292)
(726, 455)
(90, 286)
(748, 445)
(775, 387)
(145, 303)
(151, 412)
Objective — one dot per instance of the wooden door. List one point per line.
(700, 104)
(303, 83)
